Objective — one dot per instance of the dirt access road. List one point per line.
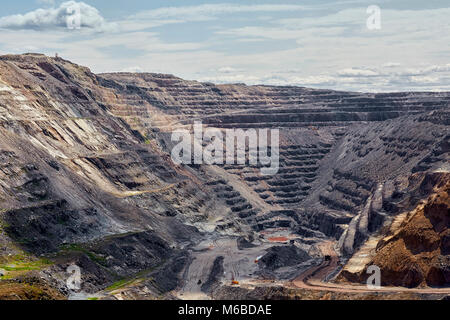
(237, 265)
(313, 278)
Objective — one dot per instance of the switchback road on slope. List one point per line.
(313, 278)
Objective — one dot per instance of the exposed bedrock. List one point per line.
(283, 256)
(417, 252)
(215, 275)
(85, 166)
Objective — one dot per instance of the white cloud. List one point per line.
(205, 11)
(355, 72)
(332, 50)
(134, 69)
(227, 69)
(391, 64)
(353, 79)
(57, 18)
(338, 51)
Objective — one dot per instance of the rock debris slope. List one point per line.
(417, 252)
(86, 177)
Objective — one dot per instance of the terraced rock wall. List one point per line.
(86, 172)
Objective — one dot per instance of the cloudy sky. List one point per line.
(313, 43)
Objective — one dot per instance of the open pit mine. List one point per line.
(87, 183)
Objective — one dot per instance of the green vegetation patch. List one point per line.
(120, 284)
(78, 248)
(21, 263)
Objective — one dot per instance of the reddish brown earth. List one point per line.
(313, 279)
(28, 288)
(418, 254)
(278, 239)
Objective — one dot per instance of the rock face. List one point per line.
(86, 173)
(283, 256)
(418, 253)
